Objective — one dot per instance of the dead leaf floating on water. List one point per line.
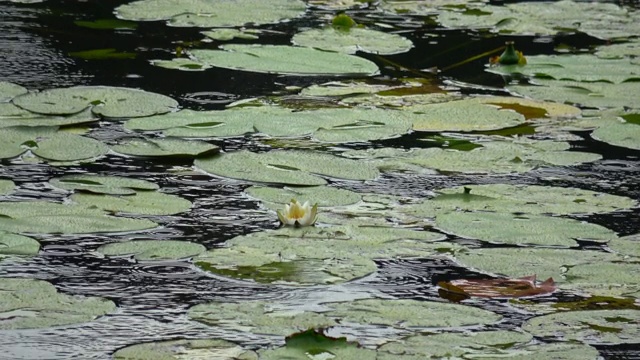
(461, 289)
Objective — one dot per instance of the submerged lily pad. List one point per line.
(33, 304)
(12, 244)
(145, 250)
(286, 60)
(107, 24)
(185, 349)
(321, 195)
(286, 167)
(203, 13)
(353, 40)
(143, 202)
(320, 346)
(603, 327)
(6, 186)
(10, 90)
(619, 134)
(101, 54)
(165, 147)
(410, 313)
(259, 317)
(102, 184)
(108, 102)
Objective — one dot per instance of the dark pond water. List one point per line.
(152, 298)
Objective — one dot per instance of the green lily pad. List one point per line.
(498, 228)
(145, 250)
(531, 109)
(183, 64)
(627, 245)
(621, 50)
(410, 313)
(286, 167)
(203, 13)
(101, 54)
(619, 134)
(338, 4)
(286, 60)
(352, 41)
(11, 115)
(321, 195)
(601, 20)
(12, 244)
(259, 317)
(230, 34)
(521, 262)
(419, 7)
(6, 186)
(102, 184)
(143, 202)
(463, 115)
(319, 346)
(10, 90)
(189, 123)
(108, 102)
(605, 278)
(185, 349)
(604, 327)
(14, 141)
(107, 24)
(165, 147)
(34, 304)
(68, 147)
(41, 217)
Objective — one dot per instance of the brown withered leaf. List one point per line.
(460, 289)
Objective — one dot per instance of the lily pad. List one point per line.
(605, 278)
(102, 184)
(230, 34)
(603, 327)
(105, 101)
(353, 40)
(170, 147)
(145, 250)
(10, 90)
(286, 167)
(107, 24)
(623, 134)
(185, 349)
(6, 186)
(143, 202)
(259, 317)
(14, 141)
(410, 313)
(12, 244)
(33, 304)
(620, 50)
(321, 195)
(183, 64)
(101, 54)
(203, 13)
(627, 245)
(286, 60)
(11, 115)
(320, 346)
(68, 147)
(531, 109)
(419, 7)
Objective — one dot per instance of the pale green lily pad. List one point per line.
(108, 102)
(68, 147)
(627, 245)
(605, 278)
(12, 244)
(40, 217)
(102, 184)
(580, 68)
(6, 186)
(616, 51)
(604, 327)
(258, 317)
(14, 141)
(10, 90)
(596, 94)
(547, 18)
(230, 34)
(528, 107)
(185, 349)
(421, 7)
(321, 195)
(312, 344)
(34, 304)
(145, 250)
(463, 115)
(521, 262)
(619, 134)
(344, 88)
(286, 167)
(499, 228)
(143, 202)
(410, 313)
(163, 147)
(286, 60)
(11, 115)
(203, 13)
(338, 4)
(183, 64)
(352, 41)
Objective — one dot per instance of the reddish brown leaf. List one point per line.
(511, 288)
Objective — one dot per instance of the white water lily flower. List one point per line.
(295, 214)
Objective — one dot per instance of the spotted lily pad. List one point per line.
(286, 60)
(12, 244)
(143, 202)
(286, 167)
(203, 13)
(259, 317)
(6, 186)
(301, 345)
(10, 90)
(410, 313)
(105, 101)
(604, 327)
(165, 147)
(623, 134)
(353, 40)
(33, 304)
(102, 184)
(145, 250)
(185, 349)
